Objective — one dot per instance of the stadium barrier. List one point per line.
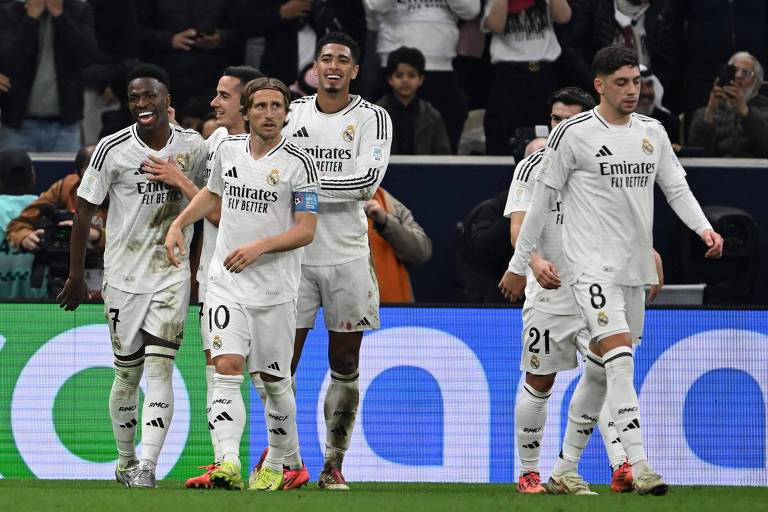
(441, 191)
(438, 387)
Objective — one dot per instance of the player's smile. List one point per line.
(147, 102)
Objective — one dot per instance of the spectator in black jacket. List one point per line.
(644, 25)
(44, 47)
(649, 104)
(193, 40)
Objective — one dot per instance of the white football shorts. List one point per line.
(349, 294)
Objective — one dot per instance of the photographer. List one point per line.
(734, 123)
(52, 211)
(16, 181)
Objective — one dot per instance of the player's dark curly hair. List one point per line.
(146, 70)
(339, 38)
(572, 96)
(611, 58)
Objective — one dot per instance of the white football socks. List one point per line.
(123, 405)
(583, 412)
(280, 415)
(157, 412)
(616, 454)
(228, 415)
(530, 418)
(210, 371)
(624, 405)
(341, 401)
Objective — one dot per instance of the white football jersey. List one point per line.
(140, 211)
(258, 200)
(210, 232)
(550, 247)
(351, 151)
(606, 174)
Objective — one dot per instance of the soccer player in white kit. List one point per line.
(553, 328)
(604, 162)
(350, 140)
(150, 171)
(226, 105)
(266, 188)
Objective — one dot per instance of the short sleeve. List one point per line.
(557, 162)
(198, 159)
(215, 180)
(521, 188)
(97, 179)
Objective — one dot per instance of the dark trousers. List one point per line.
(519, 95)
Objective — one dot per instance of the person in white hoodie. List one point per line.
(432, 27)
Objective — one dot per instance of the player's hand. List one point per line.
(208, 41)
(5, 83)
(512, 286)
(31, 242)
(295, 9)
(243, 256)
(376, 211)
(175, 245)
(184, 40)
(546, 274)
(55, 7)
(167, 171)
(714, 243)
(75, 291)
(656, 288)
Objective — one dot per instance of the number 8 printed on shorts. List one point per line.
(596, 296)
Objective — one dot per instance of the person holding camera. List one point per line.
(50, 217)
(734, 123)
(16, 181)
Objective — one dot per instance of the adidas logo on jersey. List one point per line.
(301, 132)
(232, 173)
(604, 151)
(140, 171)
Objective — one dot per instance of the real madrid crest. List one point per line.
(349, 133)
(534, 362)
(602, 319)
(182, 160)
(217, 342)
(274, 177)
(647, 147)
(116, 342)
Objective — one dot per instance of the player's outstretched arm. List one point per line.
(75, 290)
(301, 234)
(204, 202)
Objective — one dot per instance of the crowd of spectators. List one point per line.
(62, 63)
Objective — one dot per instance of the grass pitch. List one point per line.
(81, 495)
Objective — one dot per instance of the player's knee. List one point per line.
(228, 365)
(128, 378)
(267, 377)
(158, 368)
(346, 364)
(541, 383)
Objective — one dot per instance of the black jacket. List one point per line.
(593, 26)
(74, 49)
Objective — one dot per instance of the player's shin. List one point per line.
(530, 418)
(611, 439)
(588, 398)
(210, 371)
(228, 416)
(157, 412)
(341, 402)
(280, 414)
(624, 405)
(123, 405)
